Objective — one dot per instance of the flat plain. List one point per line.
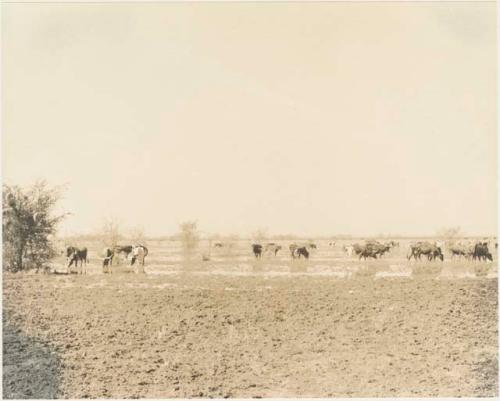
(234, 326)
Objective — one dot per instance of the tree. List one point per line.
(29, 225)
(137, 236)
(450, 232)
(110, 232)
(260, 234)
(189, 236)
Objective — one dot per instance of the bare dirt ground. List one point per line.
(204, 335)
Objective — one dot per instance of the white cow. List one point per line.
(139, 253)
(348, 249)
(272, 249)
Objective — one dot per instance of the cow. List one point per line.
(76, 255)
(218, 245)
(461, 249)
(432, 251)
(381, 249)
(302, 251)
(293, 249)
(271, 247)
(357, 248)
(481, 252)
(123, 249)
(257, 250)
(331, 243)
(378, 248)
(414, 250)
(139, 253)
(371, 249)
(368, 252)
(436, 253)
(108, 259)
(470, 249)
(365, 251)
(458, 250)
(348, 249)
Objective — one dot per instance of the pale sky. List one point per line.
(312, 119)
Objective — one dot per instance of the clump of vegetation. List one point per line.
(189, 237)
(29, 225)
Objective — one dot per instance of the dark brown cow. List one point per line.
(432, 251)
(75, 255)
(257, 250)
(372, 249)
(481, 252)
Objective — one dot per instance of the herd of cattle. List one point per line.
(374, 249)
(137, 252)
(369, 249)
(477, 250)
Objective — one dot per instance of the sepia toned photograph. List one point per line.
(249, 199)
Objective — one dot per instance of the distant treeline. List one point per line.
(278, 237)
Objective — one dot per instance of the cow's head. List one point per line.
(70, 251)
(440, 254)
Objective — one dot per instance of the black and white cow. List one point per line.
(125, 250)
(108, 253)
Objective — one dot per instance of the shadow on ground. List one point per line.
(30, 367)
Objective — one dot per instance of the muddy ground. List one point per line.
(192, 335)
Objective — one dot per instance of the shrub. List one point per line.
(29, 225)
